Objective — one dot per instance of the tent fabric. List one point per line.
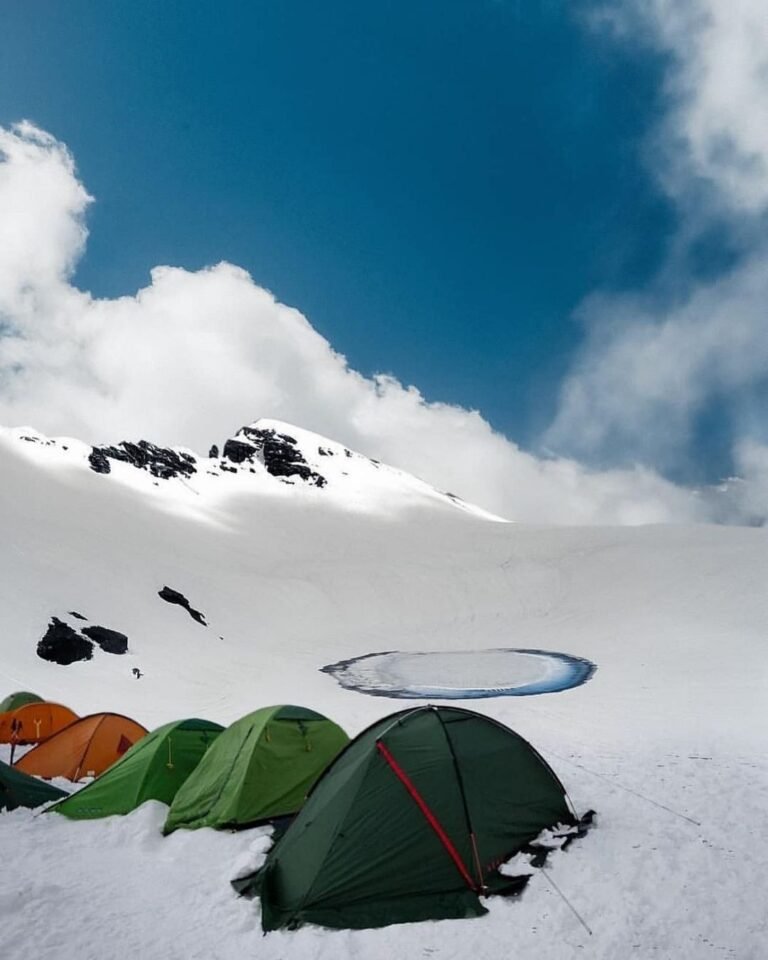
(18, 789)
(34, 722)
(411, 822)
(18, 699)
(85, 748)
(260, 768)
(152, 769)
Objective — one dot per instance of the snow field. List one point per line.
(675, 618)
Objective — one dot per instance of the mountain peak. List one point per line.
(266, 455)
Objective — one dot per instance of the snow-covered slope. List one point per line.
(288, 574)
(265, 457)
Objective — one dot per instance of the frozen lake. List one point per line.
(461, 674)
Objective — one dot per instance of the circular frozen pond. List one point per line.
(461, 674)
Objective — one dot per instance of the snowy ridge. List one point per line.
(265, 454)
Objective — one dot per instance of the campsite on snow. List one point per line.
(384, 480)
(219, 674)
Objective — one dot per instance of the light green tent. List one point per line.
(260, 768)
(15, 700)
(18, 789)
(152, 769)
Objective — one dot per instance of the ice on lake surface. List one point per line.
(461, 674)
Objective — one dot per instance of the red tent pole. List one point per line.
(431, 819)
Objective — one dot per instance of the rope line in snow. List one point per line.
(635, 793)
(565, 899)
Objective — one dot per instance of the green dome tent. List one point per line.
(18, 789)
(260, 768)
(410, 823)
(15, 700)
(152, 769)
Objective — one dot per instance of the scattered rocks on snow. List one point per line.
(61, 644)
(161, 462)
(43, 441)
(173, 596)
(110, 641)
(279, 452)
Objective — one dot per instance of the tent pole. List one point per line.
(472, 839)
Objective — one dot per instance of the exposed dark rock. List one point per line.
(61, 644)
(324, 453)
(277, 451)
(161, 462)
(239, 452)
(213, 453)
(110, 641)
(99, 461)
(173, 596)
(78, 616)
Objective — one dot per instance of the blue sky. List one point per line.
(555, 219)
(435, 193)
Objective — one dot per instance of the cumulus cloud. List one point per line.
(722, 90)
(716, 127)
(193, 355)
(654, 363)
(649, 368)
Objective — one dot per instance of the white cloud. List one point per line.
(750, 491)
(716, 125)
(193, 355)
(41, 227)
(652, 365)
(648, 369)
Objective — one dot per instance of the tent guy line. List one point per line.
(620, 786)
(565, 899)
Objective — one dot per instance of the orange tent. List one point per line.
(83, 749)
(34, 722)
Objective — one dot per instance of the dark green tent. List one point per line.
(152, 769)
(260, 768)
(18, 789)
(410, 823)
(15, 700)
